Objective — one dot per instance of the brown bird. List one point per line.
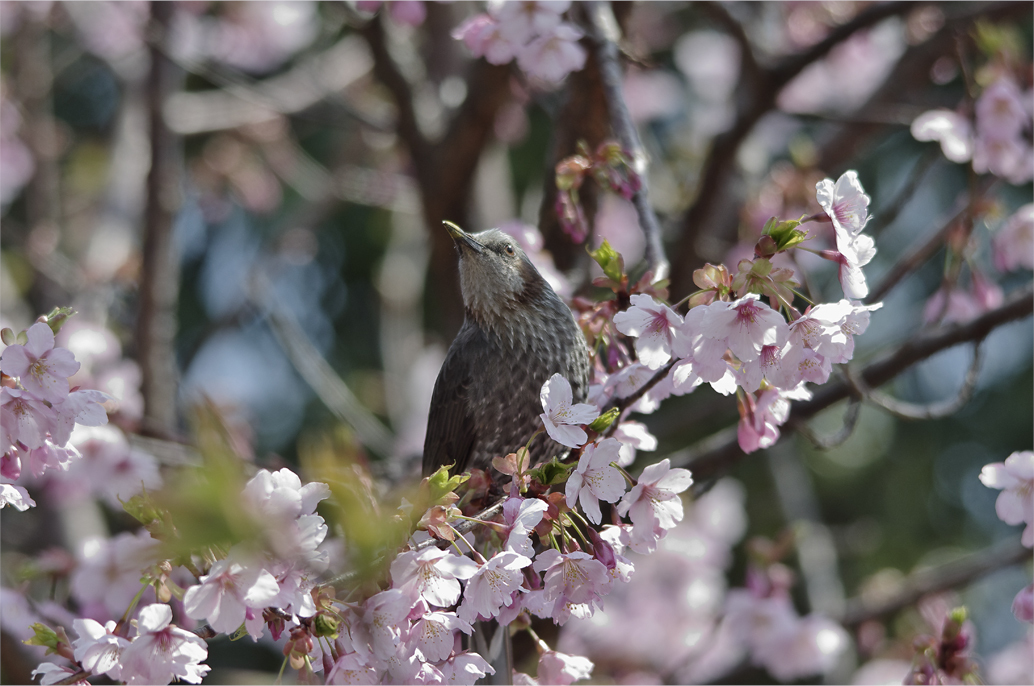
(516, 333)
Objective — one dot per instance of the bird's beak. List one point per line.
(462, 238)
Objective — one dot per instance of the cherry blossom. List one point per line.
(493, 585)
(950, 129)
(521, 516)
(655, 327)
(484, 36)
(1014, 242)
(562, 416)
(653, 504)
(350, 669)
(633, 436)
(1000, 113)
(1023, 605)
(98, 649)
(432, 574)
(15, 496)
(574, 578)
(523, 21)
(51, 673)
(854, 323)
(432, 634)
(161, 651)
(382, 614)
(465, 669)
(845, 202)
(594, 478)
(1015, 478)
(228, 591)
(746, 325)
(24, 420)
(553, 55)
(852, 253)
(811, 646)
(563, 669)
(42, 369)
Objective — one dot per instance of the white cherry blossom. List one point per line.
(161, 651)
(228, 591)
(562, 416)
(1015, 479)
(655, 327)
(432, 574)
(98, 649)
(746, 325)
(493, 585)
(845, 202)
(595, 479)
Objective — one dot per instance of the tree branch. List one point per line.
(947, 576)
(159, 271)
(604, 31)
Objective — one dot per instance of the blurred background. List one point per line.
(243, 201)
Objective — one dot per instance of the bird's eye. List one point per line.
(509, 250)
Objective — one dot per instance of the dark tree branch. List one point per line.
(717, 453)
(159, 271)
(756, 99)
(604, 31)
(944, 577)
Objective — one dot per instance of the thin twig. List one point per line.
(320, 376)
(837, 439)
(604, 31)
(906, 410)
(947, 576)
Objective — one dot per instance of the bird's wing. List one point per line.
(450, 423)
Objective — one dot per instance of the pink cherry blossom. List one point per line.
(98, 649)
(432, 574)
(24, 419)
(553, 55)
(161, 651)
(524, 21)
(1015, 478)
(574, 578)
(655, 327)
(1014, 242)
(845, 202)
(351, 669)
(562, 416)
(231, 587)
(433, 634)
(1009, 158)
(42, 369)
(483, 35)
(493, 585)
(819, 327)
(563, 669)
(595, 479)
(464, 669)
(654, 505)
(950, 129)
(746, 324)
(811, 646)
(520, 517)
(108, 574)
(382, 614)
(854, 323)
(1000, 113)
(1023, 605)
(633, 436)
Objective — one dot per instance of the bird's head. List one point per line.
(496, 276)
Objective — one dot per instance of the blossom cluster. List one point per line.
(996, 139)
(39, 410)
(1015, 505)
(545, 46)
(744, 345)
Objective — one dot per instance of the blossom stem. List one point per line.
(802, 297)
(576, 529)
(628, 477)
(478, 521)
(132, 604)
(540, 645)
(280, 675)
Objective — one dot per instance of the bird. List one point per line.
(516, 333)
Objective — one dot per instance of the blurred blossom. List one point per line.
(652, 94)
(16, 161)
(511, 123)
(110, 468)
(1023, 605)
(950, 129)
(849, 74)
(1014, 242)
(1014, 664)
(111, 30)
(618, 223)
(711, 62)
(108, 575)
(884, 671)
(554, 55)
